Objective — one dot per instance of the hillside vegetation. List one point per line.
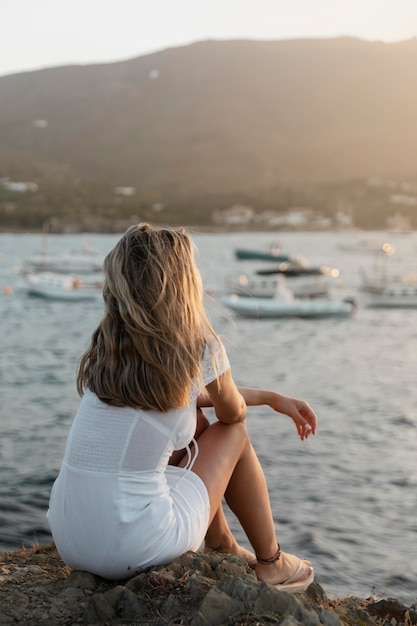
(213, 123)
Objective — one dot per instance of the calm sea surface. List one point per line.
(346, 499)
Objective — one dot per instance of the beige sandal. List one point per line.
(292, 584)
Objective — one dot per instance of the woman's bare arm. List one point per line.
(301, 413)
(226, 399)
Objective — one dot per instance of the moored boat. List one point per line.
(71, 263)
(389, 286)
(83, 260)
(273, 252)
(62, 287)
(395, 294)
(292, 269)
(260, 255)
(266, 286)
(285, 305)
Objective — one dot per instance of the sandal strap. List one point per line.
(271, 559)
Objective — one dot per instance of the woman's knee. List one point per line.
(221, 447)
(233, 436)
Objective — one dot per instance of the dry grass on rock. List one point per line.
(38, 589)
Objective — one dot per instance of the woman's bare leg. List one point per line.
(228, 465)
(219, 536)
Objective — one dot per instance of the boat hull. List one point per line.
(58, 287)
(292, 270)
(262, 308)
(388, 301)
(258, 255)
(385, 293)
(65, 295)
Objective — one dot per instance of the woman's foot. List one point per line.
(288, 573)
(232, 547)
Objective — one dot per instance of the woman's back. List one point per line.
(120, 440)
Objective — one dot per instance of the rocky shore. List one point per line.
(37, 589)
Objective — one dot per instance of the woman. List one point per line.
(144, 472)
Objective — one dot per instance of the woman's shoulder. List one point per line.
(216, 361)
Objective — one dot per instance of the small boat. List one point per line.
(372, 245)
(258, 255)
(387, 288)
(83, 260)
(71, 263)
(266, 286)
(62, 287)
(292, 269)
(283, 304)
(271, 253)
(399, 296)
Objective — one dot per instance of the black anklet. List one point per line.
(272, 559)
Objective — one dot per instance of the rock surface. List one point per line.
(37, 589)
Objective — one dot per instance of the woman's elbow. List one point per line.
(230, 416)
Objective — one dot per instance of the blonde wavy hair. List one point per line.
(147, 350)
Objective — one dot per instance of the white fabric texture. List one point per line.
(116, 505)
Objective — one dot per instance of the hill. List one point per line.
(218, 117)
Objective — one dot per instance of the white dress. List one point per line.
(116, 505)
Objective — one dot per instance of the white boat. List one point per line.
(83, 260)
(283, 304)
(62, 287)
(400, 293)
(389, 286)
(372, 245)
(71, 263)
(266, 286)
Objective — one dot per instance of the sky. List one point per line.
(36, 34)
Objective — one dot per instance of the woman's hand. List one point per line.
(299, 411)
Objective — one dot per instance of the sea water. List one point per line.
(346, 498)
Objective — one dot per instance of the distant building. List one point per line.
(343, 219)
(297, 217)
(407, 186)
(403, 199)
(235, 215)
(18, 186)
(40, 123)
(270, 218)
(125, 191)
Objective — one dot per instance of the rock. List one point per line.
(81, 580)
(270, 600)
(196, 589)
(216, 609)
(98, 611)
(393, 609)
(128, 605)
(244, 588)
